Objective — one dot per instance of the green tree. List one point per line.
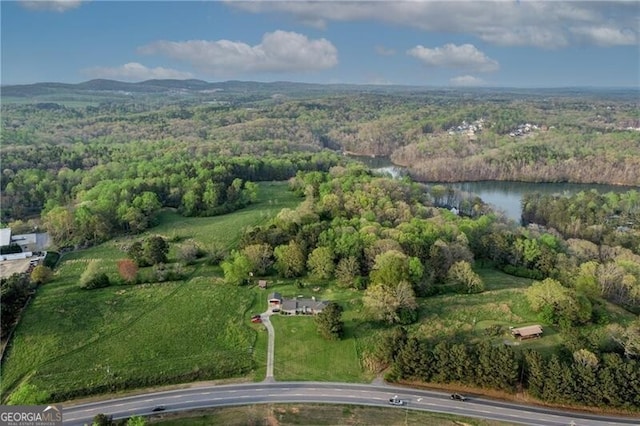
(535, 373)
(558, 304)
(236, 268)
(465, 278)
(155, 250)
(329, 322)
(136, 421)
(348, 272)
(260, 257)
(102, 420)
(188, 253)
(290, 259)
(59, 223)
(441, 259)
(41, 275)
(389, 267)
(320, 262)
(390, 345)
(28, 394)
(92, 278)
(216, 253)
(136, 252)
(386, 301)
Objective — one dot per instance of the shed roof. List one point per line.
(530, 330)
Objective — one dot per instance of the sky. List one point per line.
(507, 43)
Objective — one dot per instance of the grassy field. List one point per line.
(72, 341)
(503, 303)
(316, 414)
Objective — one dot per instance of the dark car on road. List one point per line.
(158, 408)
(458, 397)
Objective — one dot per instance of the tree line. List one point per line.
(580, 377)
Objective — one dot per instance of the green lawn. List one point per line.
(302, 354)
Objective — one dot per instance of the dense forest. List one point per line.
(49, 147)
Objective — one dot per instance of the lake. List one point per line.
(504, 196)
(507, 196)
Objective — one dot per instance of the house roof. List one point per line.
(530, 330)
(290, 305)
(293, 304)
(275, 296)
(5, 236)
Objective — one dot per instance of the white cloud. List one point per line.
(134, 71)
(51, 5)
(543, 24)
(466, 80)
(465, 56)
(381, 50)
(279, 51)
(606, 36)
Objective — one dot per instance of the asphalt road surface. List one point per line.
(331, 393)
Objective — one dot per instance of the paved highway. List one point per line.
(333, 393)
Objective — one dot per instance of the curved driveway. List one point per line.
(333, 393)
(271, 345)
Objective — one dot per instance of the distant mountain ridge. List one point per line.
(194, 86)
(150, 86)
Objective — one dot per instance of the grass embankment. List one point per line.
(72, 341)
(315, 414)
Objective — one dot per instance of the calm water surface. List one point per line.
(505, 197)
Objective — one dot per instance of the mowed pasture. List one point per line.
(72, 342)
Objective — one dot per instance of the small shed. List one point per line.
(528, 332)
(262, 284)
